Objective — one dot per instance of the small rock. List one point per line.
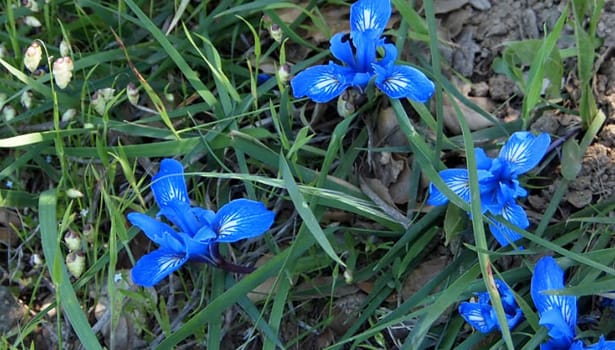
(481, 5)
(501, 88)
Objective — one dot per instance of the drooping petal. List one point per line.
(507, 296)
(478, 315)
(366, 15)
(548, 276)
(560, 333)
(513, 213)
(180, 213)
(159, 232)
(404, 81)
(523, 151)
(602, 345)
(457, 180)
(342, 48)
(320, 83)
(155, 266)
(242, 218)
(169, 185)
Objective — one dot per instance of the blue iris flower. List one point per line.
(198, 231)
(498, 181)
(359, 52)
(558, 313)
(481, 314)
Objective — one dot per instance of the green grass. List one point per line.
(201, 105)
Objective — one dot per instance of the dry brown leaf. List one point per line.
(8, 220)
(475, 120)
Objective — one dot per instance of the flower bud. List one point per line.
(32, 21)
(63, 71)
(36, 260)
(69, 115)
(276, 32)
(3, 99)
(75, 262)
(72, 240)
(74, 193)
(26, 99)
(31, 4)
(348, 276)
(8, 112)
(100, 99)
(284, 73)
(33, 56)
(345, 106)
(64, 48)
(133, 94)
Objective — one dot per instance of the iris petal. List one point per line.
(370, 15)
(404, 81)
(341, 48)
(478, 316)
(242, 218)
(523, 151)
(157, 231)
(483, 161)
(155, 266)
(320, 83)
(549, 276)
(457, 180)
(513, 213)
(168, 184)
(180, 213)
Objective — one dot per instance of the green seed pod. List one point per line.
(75, 262)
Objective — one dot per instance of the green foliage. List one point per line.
(195, 65)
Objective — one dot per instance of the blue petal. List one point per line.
(370, 15)
(365, 47)
(242, 218)
(390, 54)
(602, 345)
(169, 184)
(157, 231)
(513, 213)
(320, 83)
(478, 316)
(483, 161)
(404, 81)
(204, 216)
(523, 151)
(155, 266)
(181, 214)
(341, 48)
(548, 276)
(507, 296)
(456, 180)
(560, 332)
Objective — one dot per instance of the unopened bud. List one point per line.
(75, 262)
(33, 56)
(8, 113)
(36, 260)
(169, 97)
(133, 94)
(344, 106)
(284, 73)
(63, 71)
(32, 21)
(74, 193)
(31, 4)
(64, 48)
(276, 32)
(348, 276)
(69, 115)
(72, 240)
(26, 99)
(100, 99)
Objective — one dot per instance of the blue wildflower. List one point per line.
(481, 314)
(558, 313)
(498, 181)
(359, 52)
(198, 230)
